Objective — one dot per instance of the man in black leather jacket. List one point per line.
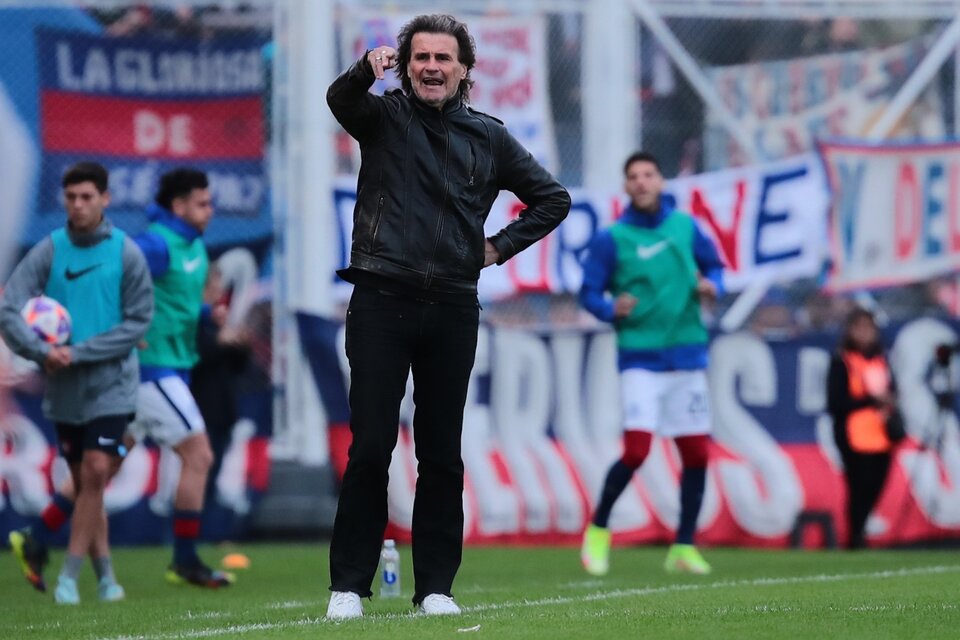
(431, 168)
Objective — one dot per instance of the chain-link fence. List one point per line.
(142, 88)
(145, 86)
(750, 107)
(764, 89)
(789, 83)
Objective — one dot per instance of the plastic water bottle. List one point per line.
(389, 570)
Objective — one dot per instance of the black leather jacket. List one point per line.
(428, 178)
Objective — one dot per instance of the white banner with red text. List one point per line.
(895, 214)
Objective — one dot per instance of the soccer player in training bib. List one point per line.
(96, 272)
(647, 275)
(166, 410)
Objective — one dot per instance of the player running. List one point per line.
(656, 265)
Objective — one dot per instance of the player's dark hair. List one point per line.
(178, 183)
(641, 156)
(86, 172)
(436, 23)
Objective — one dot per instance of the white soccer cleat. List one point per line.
(344, 605)
(109, 591)
(66, 591)
(437, 604)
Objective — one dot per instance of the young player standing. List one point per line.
(96, 272)
(166, 411)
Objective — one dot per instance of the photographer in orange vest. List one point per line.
(866, 422)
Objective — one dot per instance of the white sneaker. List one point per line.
(344, 605)
(437, 604)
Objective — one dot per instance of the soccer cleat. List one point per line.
(32, 556)
(109, 591)
(66, 591)
(684, 558)
(437, 604)
(344, 605)
(595, 552)
(200, 575)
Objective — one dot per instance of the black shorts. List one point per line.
(101, 434)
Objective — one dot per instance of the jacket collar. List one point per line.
(162, 215)
(650, 220)
(101, 232)
(451, 106)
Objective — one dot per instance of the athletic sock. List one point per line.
(692, 482)
(617, 479)
(52, 519)
(72, 565)
(186, 532)
(103, 567)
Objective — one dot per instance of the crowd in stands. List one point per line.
(186, 20)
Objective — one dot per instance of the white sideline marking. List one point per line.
(541, 602)
(723, 584)
(292, 604)
(204, 614)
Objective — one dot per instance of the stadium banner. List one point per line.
(143, 106)
(768, 221)
(510, 74)
(542, 427)
(895, 214)
(785, 106)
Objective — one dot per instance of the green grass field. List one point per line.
(521, 593)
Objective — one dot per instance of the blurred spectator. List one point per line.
(822, 311)
(131, 21)
(224, 355)
(672, 123)
(778, 39)
(143, 19)
(905, 302)
(565, 38)
(183, 20)
(843, 34)
(773, 318)
(944, 292)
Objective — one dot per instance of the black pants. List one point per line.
(386, 337)
(865, 474)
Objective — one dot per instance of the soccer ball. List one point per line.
(48, 318)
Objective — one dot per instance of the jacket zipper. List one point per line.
(446, 189)
(376, 222)
(473, 165)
